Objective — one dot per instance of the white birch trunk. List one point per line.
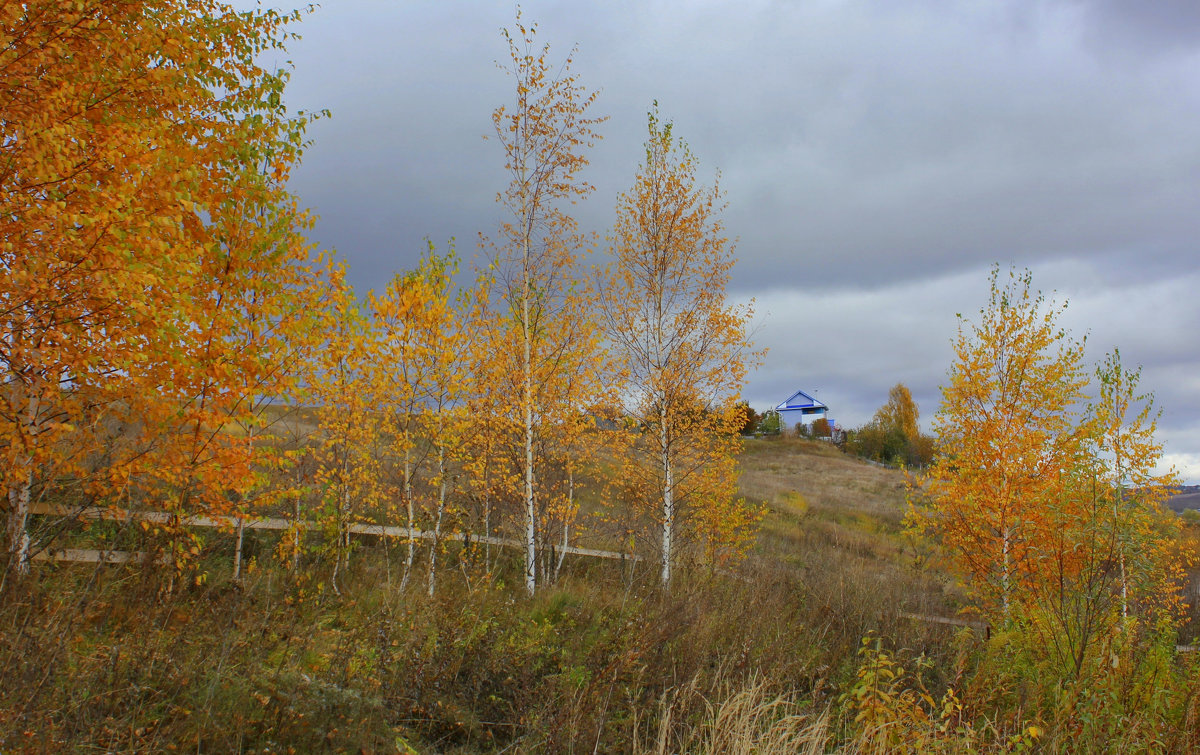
(346, 526)
(530, 511)
(341, 536)
(1004, 575)
(1117, 506)
(18, 513)
(437, 522)
(18, 500)
(562, 554)
(408, 503)
(668, 524)
(237, 551)
(487, 526)
(297, 531)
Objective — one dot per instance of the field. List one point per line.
(758, 656)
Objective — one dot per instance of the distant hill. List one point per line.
(1186, 497)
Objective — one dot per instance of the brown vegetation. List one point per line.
(764, 658)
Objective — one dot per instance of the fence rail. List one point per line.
(90, 556)
(983, 627)
(272, 523)
(954, 622)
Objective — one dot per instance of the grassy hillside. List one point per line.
(836, 523)
(759, 657)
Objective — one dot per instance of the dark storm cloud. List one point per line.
(946, 143)
(877, 156)
(898, 135)
(1143, 28)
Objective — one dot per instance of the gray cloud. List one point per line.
(1163, 27)
(854, 344)
(877, 156)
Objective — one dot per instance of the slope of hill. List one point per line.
(1186, 497)
(838, 521)
(135, 658)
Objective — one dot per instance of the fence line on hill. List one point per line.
(954, 622)
(91, 556)
(983, 627)
(262, 523)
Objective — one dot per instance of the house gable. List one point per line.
(800, 401)
(800, 407)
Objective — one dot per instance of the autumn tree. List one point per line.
(399, 376)
(570, 445)
(771, 422)
(445, 333)
(900, 412)
(417, 377)
(1049, 503)
(348, 474)
(1127, 456)
(150, 250)
(893, 435)
(681, 346)
(750, 418)
(536, 263)
(491, 472)
(1007, 428)
(821, 428)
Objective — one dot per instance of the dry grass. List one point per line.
(750, 719)
(752, 659)
(838, 521)
(774, 470)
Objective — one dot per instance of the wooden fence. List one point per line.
(86, 555)
(983, 627)
(260, 523)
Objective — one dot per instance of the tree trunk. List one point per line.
(297, 532)
(240, 525)
(487, 527)
(18, 513)
(1117, 506)
(237, 551)
(408, 503)
(530, 512)
(668, 524)
(566, 527)
(437, 521)
(340, 540)
(18, 499)
(1005, 585)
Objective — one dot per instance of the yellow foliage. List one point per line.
(681, 349)
(157, 280)
(540, 349)
(1049, 504)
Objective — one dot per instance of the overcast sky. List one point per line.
(878, 158)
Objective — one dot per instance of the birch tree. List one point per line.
(347, 475)
(544, 135)
(433, 350)
(131, 273)
(1007, 428)
(490, 471)
(1049, 503)
(681, 346)
(402, 377)
(1128, 455)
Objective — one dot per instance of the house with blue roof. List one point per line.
(802, 408)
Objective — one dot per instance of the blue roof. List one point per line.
(800, 400)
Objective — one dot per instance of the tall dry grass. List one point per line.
(751, 718)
